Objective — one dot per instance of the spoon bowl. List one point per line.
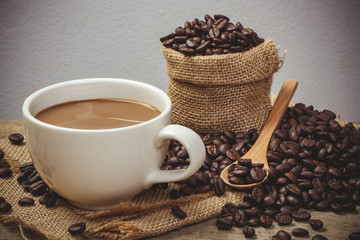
(257, 152)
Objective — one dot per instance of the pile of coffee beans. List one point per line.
(213, 35)
(31, 182)
(246, 172)
(314, 163)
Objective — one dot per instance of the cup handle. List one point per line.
(194, 146)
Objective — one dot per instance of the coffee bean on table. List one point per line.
(5, 207)
(178, 212)
(25, 201)
(283, 235)
(16, 138)
(2, 199)
(354, 236)
(315, 224)
(1, 154)
(77, 229)
(319, 237)
(283, 219)
(300, 232)
(265, 221)
(301, 215)
(224, 223)
(248, 232)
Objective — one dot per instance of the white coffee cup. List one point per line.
(96, 169)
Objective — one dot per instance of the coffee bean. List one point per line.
(224, 223)
(354, 236)
(248, 232)
(315, 224)
(301, 215)
(77, 229)
(4, 164)
(174, 194)
(49, 198)
(283, 235)
(294, 189)
(5, 207)
(258, 195)
(38, 188)
(257, 174)
(219, 186)
(25, 166)
(1, 154)
(283, 219)
(2, 199)
(300, 232)
(287, 209)
(239, 219)
(178, 212)
(265, 221)
(322, 206)
(25, 201)
(5, 172)
(16, 138)
(319, 237)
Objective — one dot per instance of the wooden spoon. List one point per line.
(257, 152)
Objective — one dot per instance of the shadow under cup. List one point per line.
(96, 169)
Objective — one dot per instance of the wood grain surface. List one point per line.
(336, 226)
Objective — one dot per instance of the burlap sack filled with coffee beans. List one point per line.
(217, 92)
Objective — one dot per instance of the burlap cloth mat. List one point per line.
(148, 214)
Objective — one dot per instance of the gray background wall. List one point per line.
(45, 42)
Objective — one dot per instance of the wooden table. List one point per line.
(336, 226)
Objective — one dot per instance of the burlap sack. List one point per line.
(231, 91)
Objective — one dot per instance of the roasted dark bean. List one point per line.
(224, 223)
(16, 138)
(300, 232)
(1, 154)
(301, 215)
(283, 235)
(5, 207)
(283, 219)
(25, 201)
(178, 212)
(315, 224)
(174, 194)
(265, 221)
(354, 236)
(77, 229)
(319, 237)
(5, 172)
(248, 232)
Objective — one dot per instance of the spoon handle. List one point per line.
(281, 103)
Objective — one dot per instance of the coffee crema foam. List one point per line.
(103, 113)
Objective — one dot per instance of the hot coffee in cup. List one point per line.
(92, 151)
